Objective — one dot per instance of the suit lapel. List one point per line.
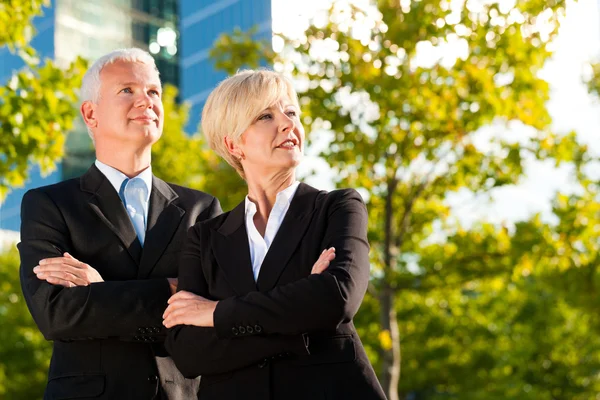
(164, 218)
(105, 202)
(231, 249)
(292, 230)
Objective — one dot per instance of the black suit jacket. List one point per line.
(106, 335)
(290, 334)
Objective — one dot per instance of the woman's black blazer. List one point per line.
(290, 334)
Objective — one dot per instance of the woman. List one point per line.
(254, 316)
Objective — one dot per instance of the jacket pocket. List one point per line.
(75, 387)
(327, 350)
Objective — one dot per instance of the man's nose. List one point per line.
(144, 101)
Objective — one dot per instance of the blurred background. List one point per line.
(470, 127)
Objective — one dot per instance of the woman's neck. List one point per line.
(263, 190)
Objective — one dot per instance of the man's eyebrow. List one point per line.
(152, 85)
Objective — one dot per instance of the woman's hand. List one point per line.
(186, 308)
(323, 262)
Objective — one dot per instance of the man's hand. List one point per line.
(66, 271)
(186, 308)
(323, 262)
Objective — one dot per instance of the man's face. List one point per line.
(130, 109)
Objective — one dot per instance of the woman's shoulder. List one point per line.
(221, 221)
(340, 195)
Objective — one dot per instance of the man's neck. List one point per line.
(130, 163)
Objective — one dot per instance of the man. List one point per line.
(104, 313)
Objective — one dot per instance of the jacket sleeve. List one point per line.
(319, 302)
(129, 310)
(197, 350)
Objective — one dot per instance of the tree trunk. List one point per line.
(390, 376)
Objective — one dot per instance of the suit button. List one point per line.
(153, 379)
(234, 330)
(154, 330)
(249, 329)
(141, 330)
(242, 330)
(257, 328)
(263, 363)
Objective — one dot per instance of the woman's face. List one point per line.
(274, 141)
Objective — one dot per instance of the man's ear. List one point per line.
(233, 148)
(88, 112)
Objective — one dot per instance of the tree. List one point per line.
(406, 89)
(37, 105)
(24, 354)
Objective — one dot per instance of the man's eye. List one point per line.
(155, 93)
(127, 90)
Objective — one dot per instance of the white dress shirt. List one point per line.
(259, 246)
(116, 178)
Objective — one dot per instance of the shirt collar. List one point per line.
(285, 196)
(116, 177)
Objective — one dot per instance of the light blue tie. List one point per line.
(135, 193)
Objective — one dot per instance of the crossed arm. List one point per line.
(201, 339)
(67, 298)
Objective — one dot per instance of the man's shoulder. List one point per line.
(54, 190)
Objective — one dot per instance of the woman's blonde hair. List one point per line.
(236, 103)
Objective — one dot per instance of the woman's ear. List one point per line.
(233, 148)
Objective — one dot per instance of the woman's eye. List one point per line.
(264, 117)
(292, 113)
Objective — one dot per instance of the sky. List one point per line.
(570, 106)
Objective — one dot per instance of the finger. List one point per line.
(320, 267)
(69, 255)
(179, 304)
(63, 276)
(61, 260)
(183, 295)
(328, 256)
(60, 282)
(55, 267)
(71, 274)
(182, 317)
(177, 318)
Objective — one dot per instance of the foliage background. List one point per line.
(454, 311)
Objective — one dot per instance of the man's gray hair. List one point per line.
(90, 85)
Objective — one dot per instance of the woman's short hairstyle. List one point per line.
(236, 103)
(91, 83)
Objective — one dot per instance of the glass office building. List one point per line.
(91, 29)
(179, 33)
(202, 21)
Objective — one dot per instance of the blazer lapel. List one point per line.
(292, 230)
(231, 249)
(105, 202)
(164, 218)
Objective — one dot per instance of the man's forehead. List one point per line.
(122, 71)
